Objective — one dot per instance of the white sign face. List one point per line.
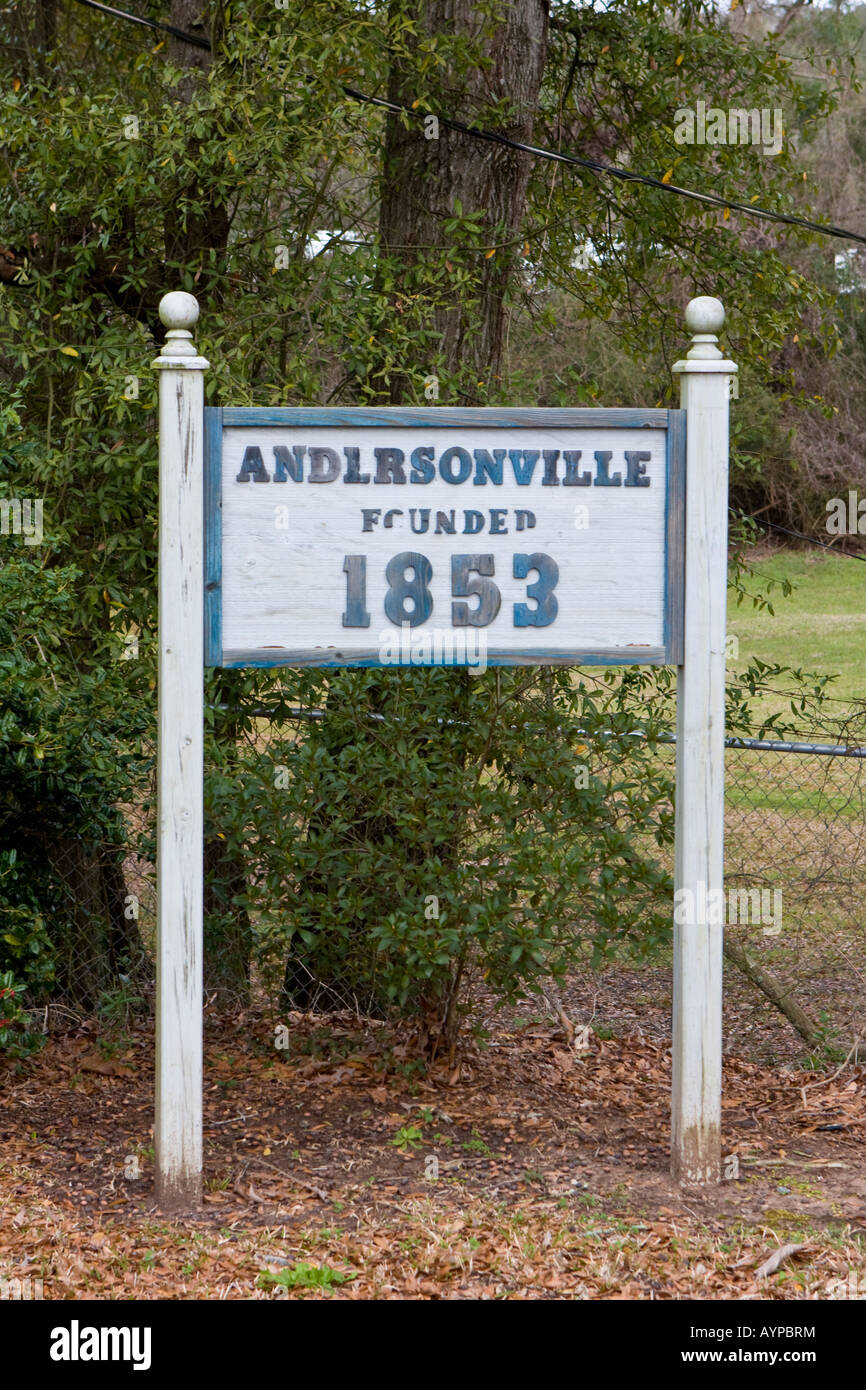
(455, 537)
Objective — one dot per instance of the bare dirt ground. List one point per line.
(338, 1167)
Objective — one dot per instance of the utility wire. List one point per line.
(614, 170)
(539, 152)
(148, 23)
(801, 535)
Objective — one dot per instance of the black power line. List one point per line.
(801, 535)
(614, 170)
(537, 151)
(148, 23)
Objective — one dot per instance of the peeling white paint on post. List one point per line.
(178, 1129)
(697, 994)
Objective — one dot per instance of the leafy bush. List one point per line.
(71, 752)
(436, 829)
(26, 963)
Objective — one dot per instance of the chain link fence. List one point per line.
(795, 887)
(795, 833)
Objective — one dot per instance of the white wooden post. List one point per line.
(699, 872)
(178, 1126)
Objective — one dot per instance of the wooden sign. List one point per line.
(391, 537)
(461, 537)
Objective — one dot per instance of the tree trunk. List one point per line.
(196, 221)
(195, 17)
(425, 178)
(774, 990)
(46, 25)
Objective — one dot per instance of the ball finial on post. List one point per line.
(705, 319)
(179, 312)
(705, 315)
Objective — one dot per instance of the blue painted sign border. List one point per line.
(218, 418)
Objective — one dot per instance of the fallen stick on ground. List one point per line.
(777, 1258)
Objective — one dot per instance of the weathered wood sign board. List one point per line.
(370, 537)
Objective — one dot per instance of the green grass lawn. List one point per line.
(820, 627)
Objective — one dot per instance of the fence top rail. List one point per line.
(825, 750)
